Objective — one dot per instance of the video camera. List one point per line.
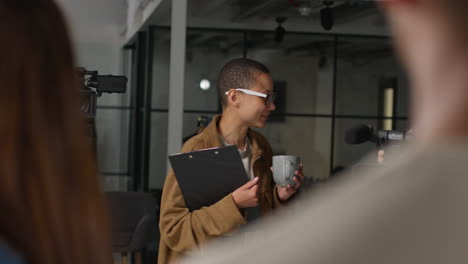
(93, 85)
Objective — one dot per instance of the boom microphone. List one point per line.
(362, 133)
(359, 134)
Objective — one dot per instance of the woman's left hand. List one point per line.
(285, 192)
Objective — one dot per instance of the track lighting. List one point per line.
(326, 15)
(280, 31)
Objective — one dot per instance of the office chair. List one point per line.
(134, 218)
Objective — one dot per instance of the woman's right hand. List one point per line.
(246, 195)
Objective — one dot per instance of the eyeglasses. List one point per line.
(269, 98)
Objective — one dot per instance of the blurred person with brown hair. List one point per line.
(414, 210)
(52, 208)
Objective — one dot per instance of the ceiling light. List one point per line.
(280, 31)
(205, 84)
(304, 10)
(326, 15)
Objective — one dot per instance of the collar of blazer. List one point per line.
(211, 138)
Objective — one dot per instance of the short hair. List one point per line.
(238, 73)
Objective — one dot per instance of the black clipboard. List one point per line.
(206, 176)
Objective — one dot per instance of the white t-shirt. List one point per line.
(252, 213)
(245, 155)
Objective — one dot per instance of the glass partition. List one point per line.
(306, 137)
(158, 150)
(207, 52)
(320, 94)
(363, 66)
(302, 65)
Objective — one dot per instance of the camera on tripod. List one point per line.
(93, 85)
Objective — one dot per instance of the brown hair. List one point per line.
(52, 207)
(456, 10)
(238, 73)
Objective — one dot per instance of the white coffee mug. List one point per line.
(284, 168)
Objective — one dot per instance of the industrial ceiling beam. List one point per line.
(208, 7)
(248, 11)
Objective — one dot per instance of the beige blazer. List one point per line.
(182, 230)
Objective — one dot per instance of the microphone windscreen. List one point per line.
(358, 134)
